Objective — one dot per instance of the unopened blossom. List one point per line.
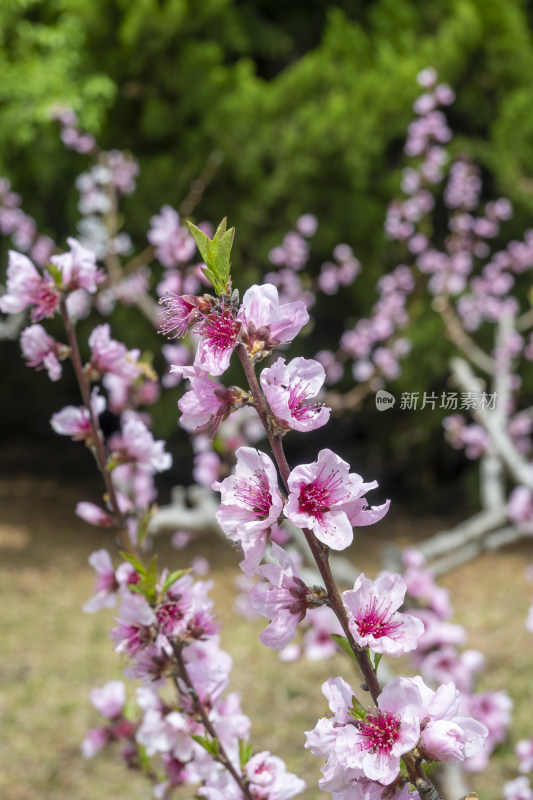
(267, 323)
(250, 503)
(94, 515)
(26, 288)
(42, 351)
(445, 735)
(207, 403)
(327, 499)
(282, 597)
(288, 389)
(374, 619)
(110, 699)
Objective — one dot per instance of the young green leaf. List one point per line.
(201, 240)
(135, 563)
(173, 577)
(215, 253)
(344, 644)
(357, 711)
(145, 589)
(151, 571)
(377, 659)
(245, 751)
(211, 745)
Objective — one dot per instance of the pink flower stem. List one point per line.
(97, 437)
(200, 709)
(320, 554)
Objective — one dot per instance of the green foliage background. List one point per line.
(308, 102)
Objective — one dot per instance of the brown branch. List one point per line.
(320, 554)
(200, 709)
(98, 446)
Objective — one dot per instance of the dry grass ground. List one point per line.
(51, 654)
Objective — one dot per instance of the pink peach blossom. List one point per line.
(374, 619)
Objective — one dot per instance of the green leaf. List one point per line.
(222, 257)
(151, 572)
(143, 526)
(135, 563)
(357, 711)
(344, 644)
(377, 659)
(144, 588)
(201, 240)
(211, 745)
(55, 273)
(245, 751)
(216, 254)
(173, 577)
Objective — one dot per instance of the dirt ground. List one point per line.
(52, 654)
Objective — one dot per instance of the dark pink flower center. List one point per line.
(254, 494)
(106, 582)
(380, 733)
(168, 616)
(376, 619)
(298, 402)
(220, 330)
(318, 496)
(132, 637)
(46, 301)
